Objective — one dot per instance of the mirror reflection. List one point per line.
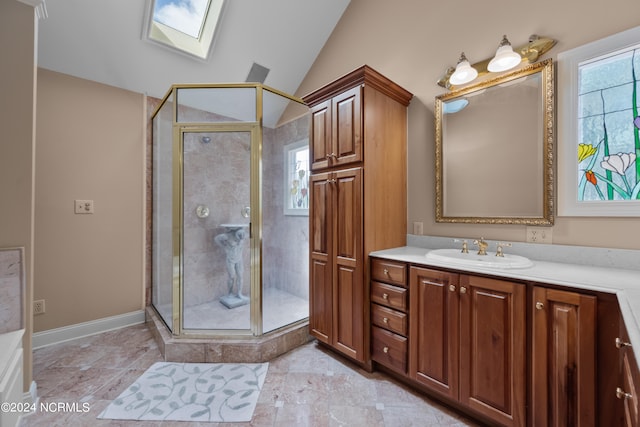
(494, 150)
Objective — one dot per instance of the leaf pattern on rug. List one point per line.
(216, 392)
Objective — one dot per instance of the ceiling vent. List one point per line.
(257, 74)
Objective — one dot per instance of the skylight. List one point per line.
(186, 25)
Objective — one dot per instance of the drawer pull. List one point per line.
(620, 343)
(452, 288)
(385, 349)
(621, 394)
(386, 272)
(385, 296)
(539, 305)
(385, 320)
(463, 290)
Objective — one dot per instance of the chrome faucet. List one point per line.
(482, 246)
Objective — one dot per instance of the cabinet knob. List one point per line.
(385, 296)
(463, 290)
(329, 156)
(385, 350)
(620, 343)
(621, 394)
(452, 288)
(539, 305)
(386, 272)
(385, 319)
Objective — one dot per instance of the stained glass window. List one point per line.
(609, 127)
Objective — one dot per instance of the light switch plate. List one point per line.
(418, 228)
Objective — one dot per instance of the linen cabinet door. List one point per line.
(492, 348)
(321, 254)
(347, 128)
(320, 132)
(563, 366)
(349, 292)
(433, 330)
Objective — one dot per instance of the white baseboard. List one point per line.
(79, 330)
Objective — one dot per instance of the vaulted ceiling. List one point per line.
(102, 41)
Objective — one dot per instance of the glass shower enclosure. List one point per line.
(230, 228)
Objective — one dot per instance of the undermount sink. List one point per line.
(472, 259)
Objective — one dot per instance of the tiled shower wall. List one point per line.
(285, 243)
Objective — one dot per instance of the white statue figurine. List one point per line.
(231, 243)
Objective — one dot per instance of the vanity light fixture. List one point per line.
(528, 53)
(464, 72)
(505, 58)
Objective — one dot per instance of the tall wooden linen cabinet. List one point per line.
(358, 200)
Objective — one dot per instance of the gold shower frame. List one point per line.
(255, 225)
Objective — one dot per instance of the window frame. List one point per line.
(568, 79)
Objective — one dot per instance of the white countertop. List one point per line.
(625, 283)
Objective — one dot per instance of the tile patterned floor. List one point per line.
(307, 387)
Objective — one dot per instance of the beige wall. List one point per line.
(413, 41)
(90, 146)
(17, 118)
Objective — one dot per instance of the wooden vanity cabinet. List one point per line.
(357, 189)
(467, 341)
(389, 318)
(563, 360)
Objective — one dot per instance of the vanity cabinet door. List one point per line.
(433, 330)
(627, 389)
(492, 348)
(563, 374)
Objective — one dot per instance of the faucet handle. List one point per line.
(465, 245)
(499, 251)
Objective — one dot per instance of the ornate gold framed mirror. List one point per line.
(495, 150)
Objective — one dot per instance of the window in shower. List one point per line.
(296, 185)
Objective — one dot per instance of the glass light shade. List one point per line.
(505, 58)
(464, 72)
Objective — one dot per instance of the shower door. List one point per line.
(219, 286)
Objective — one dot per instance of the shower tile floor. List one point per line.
(306, 387)
(280, 308)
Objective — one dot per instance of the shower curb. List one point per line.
(224, 349)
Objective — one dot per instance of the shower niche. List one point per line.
(229, 265)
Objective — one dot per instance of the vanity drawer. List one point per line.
(390, 272)
(389, 295)
(393, 320)
(389, 349)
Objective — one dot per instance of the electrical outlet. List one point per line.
(38, 306)
(83, 206)
(418, 228)
(539, 235)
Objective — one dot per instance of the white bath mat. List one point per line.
(216, 392)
